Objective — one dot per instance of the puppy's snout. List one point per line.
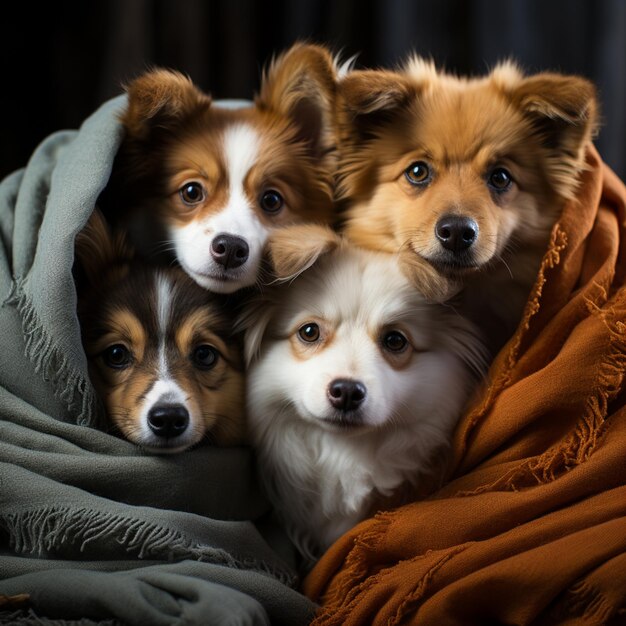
(229, 251)
(168, 421)
(456, 232)
(345, 394)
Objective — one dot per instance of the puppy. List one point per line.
(161, 351)
(355, 382)
(207, 184)
(464, 177)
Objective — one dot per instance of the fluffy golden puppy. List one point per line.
(464, 176)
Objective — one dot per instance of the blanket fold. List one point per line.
(531, 527)
(93, 529)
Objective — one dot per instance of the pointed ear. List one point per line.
(430, 283)
(98, 250)
(569, 99)
(382, 91)
(160, 98)
(563, 111)
(301, 84)
(293, 249)
(368, 98)
(363, 92)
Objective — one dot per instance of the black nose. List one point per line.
(456, 232)
(168, 420)
(345, 394)
(229, 251)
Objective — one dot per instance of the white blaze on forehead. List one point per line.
(164, 301)
(163, 307)
(241, 147)
(165, 390)
(241, 150)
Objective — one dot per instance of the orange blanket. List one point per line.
(531, 528)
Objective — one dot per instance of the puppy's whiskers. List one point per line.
(165, 245)
(501, 259)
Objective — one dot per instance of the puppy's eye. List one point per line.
(418, 173)
(271, 201)
(117, 356)
(309, 332)
(500, 179)
(192, 193)
(395, 341)
(205, 357)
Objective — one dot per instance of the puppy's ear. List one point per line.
(98, 250)
(367, 100)
(563, 111)
(293, 249)
(368, 92)
(379, 93)
(160, 98)
(301, 84)
(253, 323)
(564, 107)
(430, 283)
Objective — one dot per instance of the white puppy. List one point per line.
(355, 382)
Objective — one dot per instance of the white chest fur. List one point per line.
(323, 482)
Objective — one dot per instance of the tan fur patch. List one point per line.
(122, 327)
(195, 161)
(294, 249)
(196, 329)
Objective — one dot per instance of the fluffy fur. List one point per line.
(355, 382)
(161, 350)
(464, 177)
(207, 184)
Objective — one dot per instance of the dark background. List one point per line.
(62, 59)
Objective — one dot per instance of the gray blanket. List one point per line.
(92, 529)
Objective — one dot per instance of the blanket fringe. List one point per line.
(552, 258)
(69, 385)
(410, 604)
(580, 443)
(366, 543)
(354, 575)
(51, 529)
(585, 601)
(29, 617)
(337, 610)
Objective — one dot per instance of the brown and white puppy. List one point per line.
(465, 176)
(161, 351)
(206, 183)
